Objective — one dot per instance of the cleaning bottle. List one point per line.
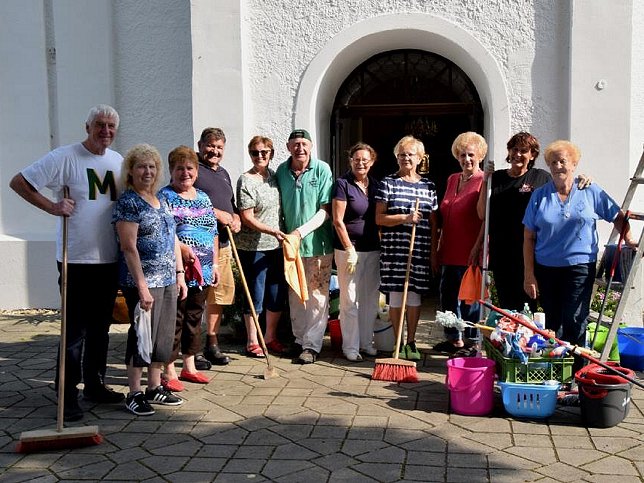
(540, 320)
(527, 312)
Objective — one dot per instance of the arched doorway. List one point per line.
(402, 92)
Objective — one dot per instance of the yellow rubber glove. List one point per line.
(352, 259)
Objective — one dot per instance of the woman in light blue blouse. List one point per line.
(151, 274)
(561, 242)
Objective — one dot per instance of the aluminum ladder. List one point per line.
(628, 284)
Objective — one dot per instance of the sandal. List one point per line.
(254, 350)
(276, 346)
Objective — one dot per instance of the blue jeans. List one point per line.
(264, 272)
(564, 293)
(451, 276)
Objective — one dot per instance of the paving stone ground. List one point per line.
(323, 422)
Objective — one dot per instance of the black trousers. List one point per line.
(91, 291)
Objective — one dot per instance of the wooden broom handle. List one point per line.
(405, 286)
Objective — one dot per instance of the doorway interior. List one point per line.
(403, 92)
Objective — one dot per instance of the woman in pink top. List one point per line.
(461, 233)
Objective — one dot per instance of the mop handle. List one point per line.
(574, 349)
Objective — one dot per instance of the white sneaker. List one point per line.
(370, 351)
(353, 357)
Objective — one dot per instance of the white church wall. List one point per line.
(152, 74)
(58, 64)
(340, 56)
(219, 96)
(63, 57)
(292, 37)
(599, 85)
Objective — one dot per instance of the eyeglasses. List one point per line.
(361, 161)
(263, 152)
(406, 155)
(563, 162)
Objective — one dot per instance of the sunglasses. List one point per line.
(264, 152)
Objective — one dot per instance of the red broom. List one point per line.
(60, 438)
(394, 369)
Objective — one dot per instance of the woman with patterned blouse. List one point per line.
(258, 243)
(197, 233)
(151, 274)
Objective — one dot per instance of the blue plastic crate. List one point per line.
(529, 400)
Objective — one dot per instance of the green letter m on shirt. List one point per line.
(95, 183)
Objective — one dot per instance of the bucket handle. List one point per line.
(600, 394)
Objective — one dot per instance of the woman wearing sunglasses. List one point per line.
(258, 244)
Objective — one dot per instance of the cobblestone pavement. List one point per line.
(322, 422)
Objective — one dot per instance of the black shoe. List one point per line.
(215, 356)
(201, 363)
(137, 404)
(161, 395)
(72, 411)
(294, 350)
(103, 395)
(445, 346)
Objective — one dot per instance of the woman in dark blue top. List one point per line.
(357, 252)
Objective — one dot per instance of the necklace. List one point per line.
(363, 184)
(256, 172)
(464, 179)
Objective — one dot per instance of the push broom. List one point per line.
(61, 437)
(394, 369)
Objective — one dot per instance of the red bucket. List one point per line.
(336, 334)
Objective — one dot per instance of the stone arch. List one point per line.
(348, 49)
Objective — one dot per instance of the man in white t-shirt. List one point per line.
(92, 173)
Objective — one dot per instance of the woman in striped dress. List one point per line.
(396, 214)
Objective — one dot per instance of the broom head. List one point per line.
(52, 439)
(394, 370)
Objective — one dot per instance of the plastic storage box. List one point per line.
(537, 370)
(529, 400)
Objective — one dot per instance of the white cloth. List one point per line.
(143, 324)
(359, 299)
(94, 184)
(309, 319)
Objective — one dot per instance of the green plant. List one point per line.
(611, 301)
